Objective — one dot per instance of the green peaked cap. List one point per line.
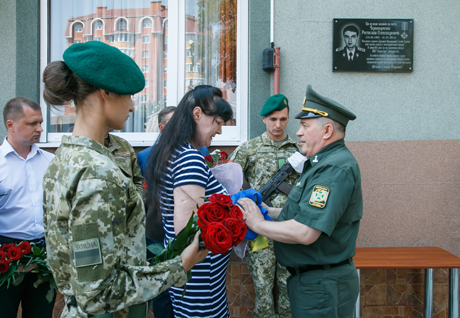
(315, 105)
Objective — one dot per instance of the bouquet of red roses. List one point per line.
(216, 157)
(228, 173)
(18, 259)
(222, 226)
(221, 222)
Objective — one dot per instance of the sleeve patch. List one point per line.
(319, 196)
(87, 252)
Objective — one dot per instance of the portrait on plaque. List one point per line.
(350, 55)
(373, 45)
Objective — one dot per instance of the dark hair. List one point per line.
(180, 130)
(14, 108)
(165, 111)
(351, 28)
(62, 85)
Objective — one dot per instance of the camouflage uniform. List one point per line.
(259, 158)
(125, 156)
(94, 226)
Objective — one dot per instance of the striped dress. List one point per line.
(205, 294)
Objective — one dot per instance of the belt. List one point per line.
(8, 240)
(299, 270)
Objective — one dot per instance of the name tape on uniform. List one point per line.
(87, 252)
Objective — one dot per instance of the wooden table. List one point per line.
(427, 258)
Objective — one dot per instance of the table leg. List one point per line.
(429, 293)
(357, 313)
(453, 293)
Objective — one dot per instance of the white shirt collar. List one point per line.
(6, 148)
(352, 51)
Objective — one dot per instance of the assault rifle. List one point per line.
(277, 183)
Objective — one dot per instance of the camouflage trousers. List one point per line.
(265, 269)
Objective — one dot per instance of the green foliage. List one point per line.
(175, 246)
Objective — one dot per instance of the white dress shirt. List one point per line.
(21, 209)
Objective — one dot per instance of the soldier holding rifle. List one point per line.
(260, 159)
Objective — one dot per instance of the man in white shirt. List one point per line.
(22, 166)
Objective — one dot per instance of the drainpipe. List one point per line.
(276, 79)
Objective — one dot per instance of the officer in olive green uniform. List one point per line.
(315, 236)
(260, 159)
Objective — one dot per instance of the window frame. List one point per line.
(231, 135)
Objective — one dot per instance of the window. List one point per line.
(97, 39)
(146, 23)
(122, 25)
(128, 52)
(198, 39)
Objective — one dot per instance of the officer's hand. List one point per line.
(192, 254)
(251, 212)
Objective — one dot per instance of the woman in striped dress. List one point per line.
(178, 179)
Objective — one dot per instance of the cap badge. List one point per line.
(285, 102)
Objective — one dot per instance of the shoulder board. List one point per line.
(361, 49)
(340, 49)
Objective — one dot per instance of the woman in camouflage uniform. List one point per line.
(93, 214)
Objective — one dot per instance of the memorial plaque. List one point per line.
(373, 45)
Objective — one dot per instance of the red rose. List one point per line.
(4, 266)
(2, 255)
(14, 253)
(25, 247)
(208, 158)
(221, 199)
(223, 155)
(238, 229)
(211, 212)
(6, 247)
(235, 212)
(217, 238)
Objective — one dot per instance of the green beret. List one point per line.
(105, 67)
(315, 105)
(273, 103)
